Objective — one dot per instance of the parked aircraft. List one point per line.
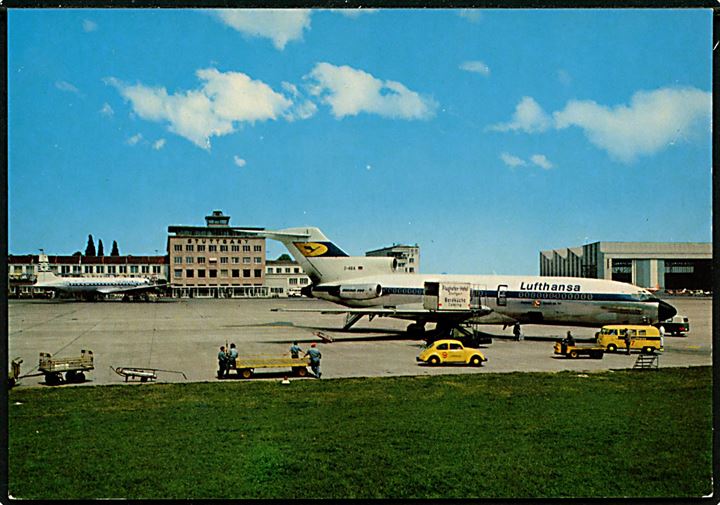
(92, 287)
(370, 286)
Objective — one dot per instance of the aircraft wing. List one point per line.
(121, 289)
(415, 314)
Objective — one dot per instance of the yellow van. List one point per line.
(643, 338)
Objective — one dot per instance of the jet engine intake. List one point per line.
(360, 291)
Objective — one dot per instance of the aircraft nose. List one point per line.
(665, 311)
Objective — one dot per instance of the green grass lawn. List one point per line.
(622, 433)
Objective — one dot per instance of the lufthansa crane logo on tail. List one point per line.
(311, 249)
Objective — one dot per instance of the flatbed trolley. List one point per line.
(73, 368)
(245, 366)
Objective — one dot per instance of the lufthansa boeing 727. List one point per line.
(370, 286)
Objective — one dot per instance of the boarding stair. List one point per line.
(647, 361)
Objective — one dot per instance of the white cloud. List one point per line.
(89, 26)
(106, 110)
(476, 66)
(239, 161)
(66, 86)
(349, 92)
(158, 144)
(223, 101)
(652, 121)
(135, 139)
(354, 13)
(512, 161)
(541, 161)
(472, 15)
(528, 117)
(279, 25)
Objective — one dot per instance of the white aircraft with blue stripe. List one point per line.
(371, 286)
(92, 286)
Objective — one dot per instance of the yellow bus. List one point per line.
(642, 338)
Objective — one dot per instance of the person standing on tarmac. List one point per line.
(315, 356)
(222, 362)
(626, 338)
(516, 332)
(232, 358)
(295, 350)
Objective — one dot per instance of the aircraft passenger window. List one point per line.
(442, 347)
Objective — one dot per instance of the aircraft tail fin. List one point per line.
(44, 274)
(322, 260)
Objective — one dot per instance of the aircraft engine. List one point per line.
(360, 291)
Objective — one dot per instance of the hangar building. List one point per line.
(662, 265)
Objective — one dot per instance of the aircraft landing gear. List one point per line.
(416, 329)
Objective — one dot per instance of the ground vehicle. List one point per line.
(642, 337)
(450, 351)
(677, 325)
(245, 366)
(575, 351)
(74, 368)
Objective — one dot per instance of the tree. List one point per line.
(90, 249)
(284, 257)
(77, 253)
(101, 251)
(115, 251)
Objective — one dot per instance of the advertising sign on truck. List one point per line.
(447, 296)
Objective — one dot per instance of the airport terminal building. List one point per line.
(671, 266)
(216, 260)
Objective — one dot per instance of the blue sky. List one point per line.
(484, 136)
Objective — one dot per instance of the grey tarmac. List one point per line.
(185, 335)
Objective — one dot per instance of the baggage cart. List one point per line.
(73, 368)
(245, 366)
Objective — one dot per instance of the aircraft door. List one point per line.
(502, 295)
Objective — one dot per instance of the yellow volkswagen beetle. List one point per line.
(450, 351)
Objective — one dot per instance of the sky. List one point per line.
(483, 136)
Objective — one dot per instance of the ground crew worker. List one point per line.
(516, 331)
(233, 357)
(295, 350)
(570, 339)
(626, 338)
(222, 362)
(315, 356)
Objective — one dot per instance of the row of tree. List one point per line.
(91, 251)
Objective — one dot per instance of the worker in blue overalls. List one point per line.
(295, 350)
(315, 356)
(232, 358)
